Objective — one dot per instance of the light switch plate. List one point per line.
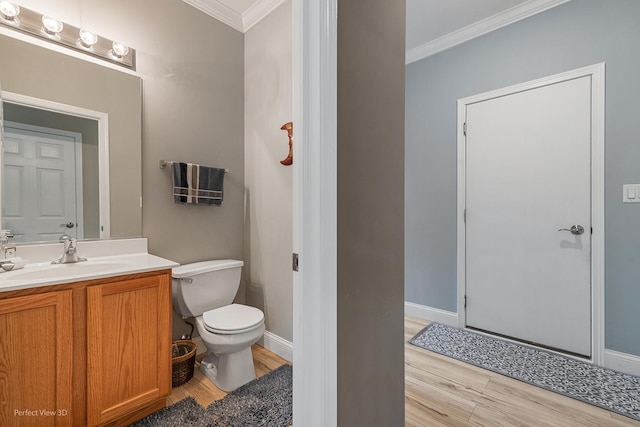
(631, 193)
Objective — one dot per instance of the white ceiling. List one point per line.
(432, 25)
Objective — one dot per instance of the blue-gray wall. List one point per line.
(573, 35)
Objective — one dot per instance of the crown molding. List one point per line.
(492, 23)
(219, 11)
(259, 10)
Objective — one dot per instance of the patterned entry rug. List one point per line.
(606, 388)
(266, 401)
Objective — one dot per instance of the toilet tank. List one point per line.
(205, 285)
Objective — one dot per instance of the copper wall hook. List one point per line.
(289, 128)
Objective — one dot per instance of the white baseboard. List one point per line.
(432, 314)
(622, 362)
(277, 345)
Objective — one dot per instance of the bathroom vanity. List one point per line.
(87, 344)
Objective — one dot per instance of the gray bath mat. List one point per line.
(266, 401)
(608, 389)
(187, 412)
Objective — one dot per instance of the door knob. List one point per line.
(575, 229)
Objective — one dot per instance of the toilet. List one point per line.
(206, 290)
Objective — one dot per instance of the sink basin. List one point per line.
(56, 271)
(42, 273)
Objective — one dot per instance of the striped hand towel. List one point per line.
(195, 184)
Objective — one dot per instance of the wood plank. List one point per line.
(440, 404)
(513, 392)
(446, 367)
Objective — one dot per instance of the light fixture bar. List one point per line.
(31, 22)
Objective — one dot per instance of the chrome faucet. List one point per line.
(70, 251)
(5, 250)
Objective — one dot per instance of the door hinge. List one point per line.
(295, 262)
(464, 216)
(464, 129)
(465, 301)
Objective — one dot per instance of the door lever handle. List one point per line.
(575, 229)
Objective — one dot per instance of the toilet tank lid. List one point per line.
(188, 270)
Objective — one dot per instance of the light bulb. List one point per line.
(9, 10)
(51, 25)
(119, 50)
(88, 38)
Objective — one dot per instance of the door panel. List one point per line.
(129, 347)
(528, 174)
(43, 166)
(36, 360)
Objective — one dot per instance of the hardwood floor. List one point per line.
(203, 390)
(440, 391)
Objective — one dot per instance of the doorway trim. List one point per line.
(597, 74)
(315, 364)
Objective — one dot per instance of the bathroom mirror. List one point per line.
(87, 118)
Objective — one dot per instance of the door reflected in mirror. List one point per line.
(51, 171)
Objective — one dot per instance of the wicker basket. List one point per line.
(183, 359)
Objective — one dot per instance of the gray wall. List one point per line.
(570, 36)
(193, 108)
(268, 87)
(370, 212)
(193, 112)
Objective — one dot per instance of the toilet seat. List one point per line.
(232, 319)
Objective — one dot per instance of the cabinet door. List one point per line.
(128, 347)
(35, 360)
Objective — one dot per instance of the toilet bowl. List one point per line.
(205, 290)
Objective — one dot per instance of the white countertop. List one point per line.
(117, 258)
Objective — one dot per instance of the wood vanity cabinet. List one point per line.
(36, 360)
(128, 347)
(91, 353)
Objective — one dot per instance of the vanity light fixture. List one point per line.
(87, 38)
(119, 50)
(53, 30)
(51, 27)
(9, 12)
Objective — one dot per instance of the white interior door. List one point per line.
(528, 174)
(40, 168)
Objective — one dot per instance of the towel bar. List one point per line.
(164, 163)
